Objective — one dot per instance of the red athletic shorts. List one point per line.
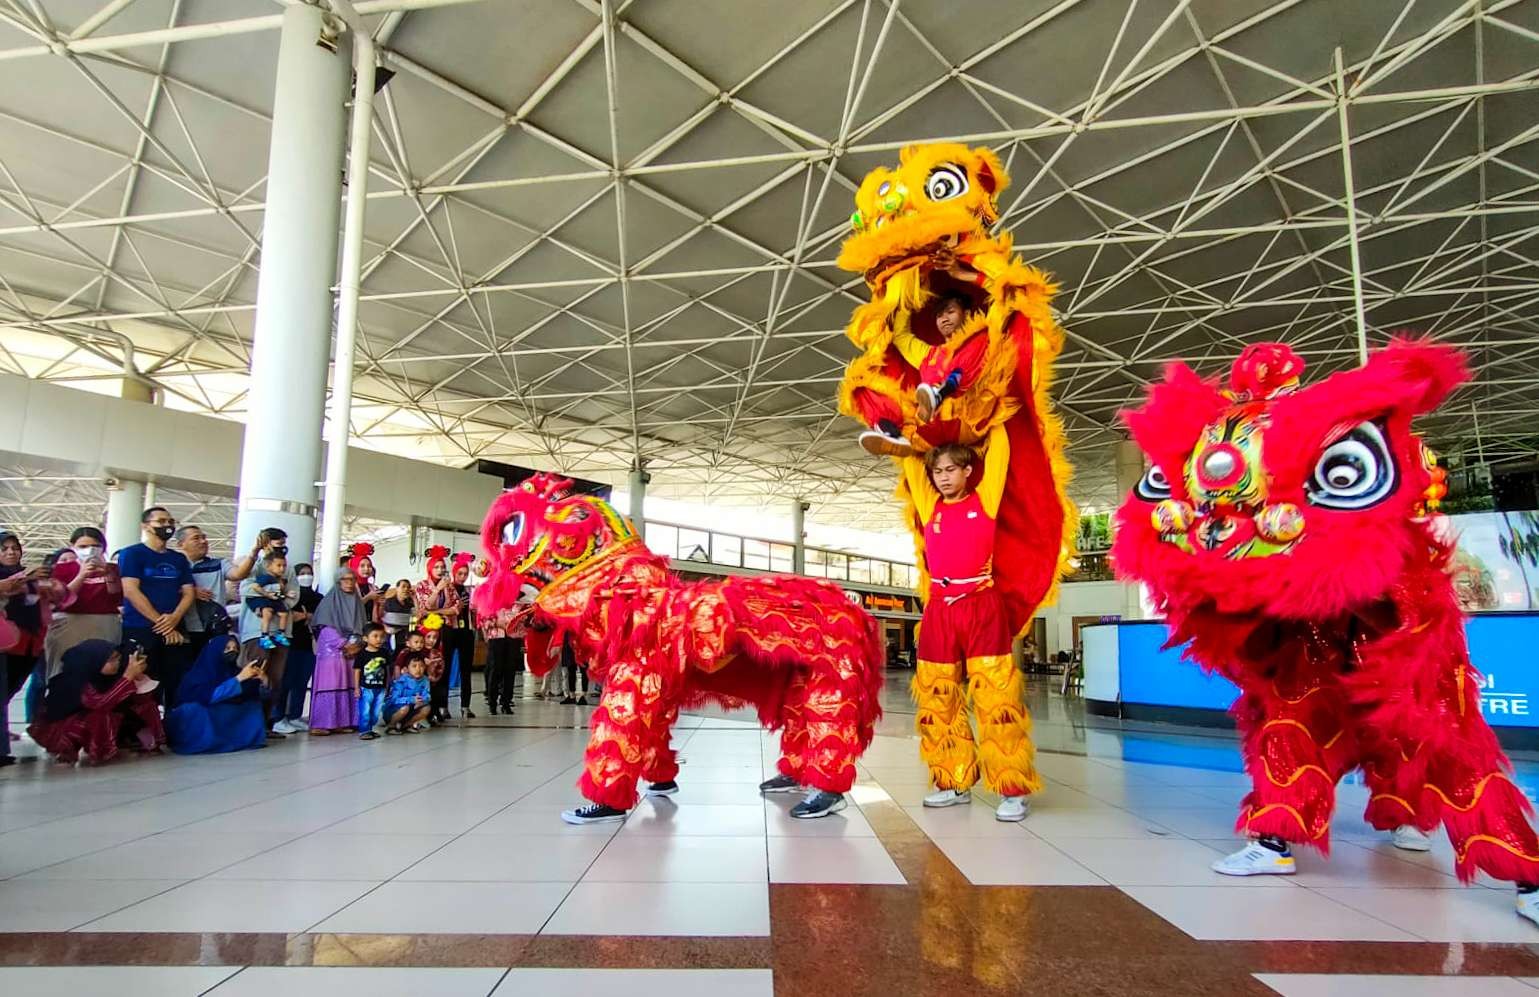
(972, 627)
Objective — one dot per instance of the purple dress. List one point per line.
(332, 704)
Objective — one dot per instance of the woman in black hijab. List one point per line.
(94, 704)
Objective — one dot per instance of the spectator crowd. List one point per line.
(163, 645)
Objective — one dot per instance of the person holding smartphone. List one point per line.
(90, 599)
(94, 705)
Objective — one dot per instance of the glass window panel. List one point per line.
(860, 569)
(663, 539)
(756, 554)
(782, 557)
(694, 545)
(727, 549)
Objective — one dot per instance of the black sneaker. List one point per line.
(467, 714)
(819, 803)
(491, 710)
(663, 788)
(569, 701)
(593, 813)
(780, 784)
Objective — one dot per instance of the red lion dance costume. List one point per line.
(922, 236)
(795, 648)
(1284, 532)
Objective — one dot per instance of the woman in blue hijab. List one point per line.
(219, 704)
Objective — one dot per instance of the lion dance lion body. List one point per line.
(922, 231)
(795, 648)
(1284, 533)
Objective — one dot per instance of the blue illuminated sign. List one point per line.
(1501, 647)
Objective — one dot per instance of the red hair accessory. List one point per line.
(357, 552)
(436, 555)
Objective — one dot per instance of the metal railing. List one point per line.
(732, 550)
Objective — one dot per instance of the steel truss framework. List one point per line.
(602, 231)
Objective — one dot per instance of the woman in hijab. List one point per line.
(94, 705)
(219, 704)
(337, 624)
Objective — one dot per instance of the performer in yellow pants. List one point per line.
(963, 637)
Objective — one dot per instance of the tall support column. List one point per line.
(281, 459)
(799, 536)
(1350, 190)
(1129, 467)
(637, 488)
(125, 503)
(335, 503)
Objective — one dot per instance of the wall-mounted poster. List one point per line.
(1496, 563)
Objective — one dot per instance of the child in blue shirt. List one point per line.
(410, 695)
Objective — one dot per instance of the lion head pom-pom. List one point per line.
(1265, 369)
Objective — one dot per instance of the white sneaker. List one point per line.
(948, 798)
(1528, 906)
(1410, 839)
(299, 723)
(1255, 859)
(284, 727)
(1012, 808)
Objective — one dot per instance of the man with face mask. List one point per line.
(157, 595)
(301, 656)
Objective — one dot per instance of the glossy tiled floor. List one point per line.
(437, 864)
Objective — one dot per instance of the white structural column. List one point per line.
(335, 500)
(1129, 467)
(637, 486)
(799, 536)
(282, 454)
(125, 503)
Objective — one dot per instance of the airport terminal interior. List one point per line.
(730, 498)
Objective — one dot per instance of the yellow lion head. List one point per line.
(938, 195)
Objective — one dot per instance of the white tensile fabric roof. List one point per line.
(600, 231)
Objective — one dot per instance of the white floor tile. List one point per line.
(973, 821)
(371, 858)
(329, 981)
(664, 817)
(171, 855)
(1353, 865)
(450, 908)
(847, 823)
(120, 981)
(730, 909)
(680, 859)
(637, 982)
(1022, 861)
(1158, 862)
(832, 860)
(211, 905)
(1208, 823)
(1255, 913)
(1074, 825)
(23, 851)
(540, 819)
(509, 858)
(59, 905)
(1443, 915)
(1321, 985)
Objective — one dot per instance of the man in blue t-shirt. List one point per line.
(157, 593)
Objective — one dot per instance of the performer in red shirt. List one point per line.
(963, 637)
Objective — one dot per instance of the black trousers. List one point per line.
(573, 670)
(463, 640)
(502, 657)
(164, 663)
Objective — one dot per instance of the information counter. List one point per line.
(1130, 674)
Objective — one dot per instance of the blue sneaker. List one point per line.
(266, 643)
(281, 639)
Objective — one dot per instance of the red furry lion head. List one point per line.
(1285, 501)
(537, 531)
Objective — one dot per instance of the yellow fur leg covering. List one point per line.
(1005, 751)
(945, 735)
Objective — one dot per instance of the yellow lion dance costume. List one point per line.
(957, 345)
